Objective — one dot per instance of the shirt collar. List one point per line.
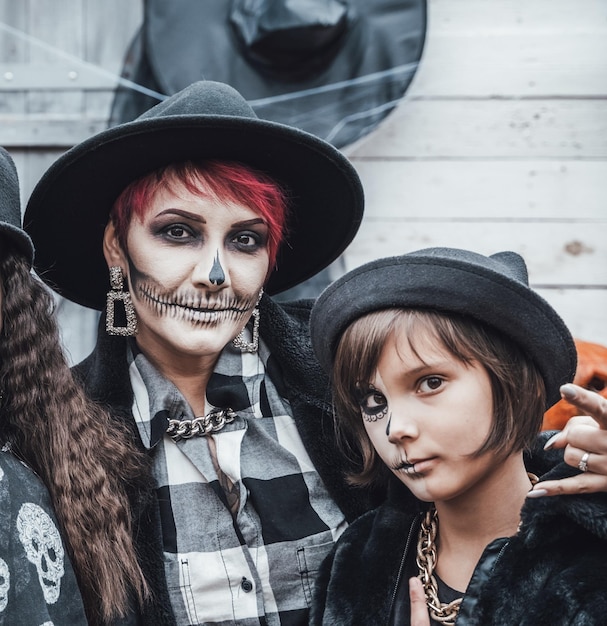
(156, 400)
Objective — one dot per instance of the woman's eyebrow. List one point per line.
(187, 214)
(251, 222)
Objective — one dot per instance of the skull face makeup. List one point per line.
(195, 267)
(42, 543)
(216, 275)
(5, 584)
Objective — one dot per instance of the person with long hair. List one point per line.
(443, 362)
(65, 519)
(180, 226)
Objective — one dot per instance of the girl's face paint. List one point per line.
(426, 413)
(195, 270)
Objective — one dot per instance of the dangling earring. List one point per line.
(117, 293)
(240, 342)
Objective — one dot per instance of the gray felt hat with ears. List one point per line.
(10, 206)
(69, 208)
(491, 289)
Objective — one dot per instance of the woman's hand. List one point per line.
(419, 611)
(584, 439)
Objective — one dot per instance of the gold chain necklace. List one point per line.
(426, 562)
(444, 613)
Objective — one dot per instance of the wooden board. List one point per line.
(500, 142)
(559, 255)
(489, 129)
(508, 48)
(520, 190)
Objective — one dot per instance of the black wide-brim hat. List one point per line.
(69, 207)
(334, 68)
(10, 207)
(493, 290)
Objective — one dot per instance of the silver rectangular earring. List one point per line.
(240, 342)
(115, 295)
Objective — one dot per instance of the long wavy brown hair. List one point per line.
(69, 442)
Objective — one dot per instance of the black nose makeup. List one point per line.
(216, 275)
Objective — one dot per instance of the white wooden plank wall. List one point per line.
(500, 143)
(52, 97)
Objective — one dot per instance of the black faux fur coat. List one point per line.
(552, 573)
(284, 328)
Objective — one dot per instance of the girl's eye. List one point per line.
(373, 405)
(430, 384)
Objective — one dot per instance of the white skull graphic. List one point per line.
(5, 584)
(43, 548)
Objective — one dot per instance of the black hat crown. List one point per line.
(493, 290)
(69, 207)
(203, 98)
(10, 206)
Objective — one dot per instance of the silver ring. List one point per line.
(583, 464)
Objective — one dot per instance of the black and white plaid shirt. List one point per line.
(259, 568)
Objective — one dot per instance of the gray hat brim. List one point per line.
(492, 290)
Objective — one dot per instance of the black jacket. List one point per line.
(552, 573)
(37, 581)
(284, 328)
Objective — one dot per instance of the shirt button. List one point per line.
(246, 585)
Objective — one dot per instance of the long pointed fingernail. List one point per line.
(537, 493)
(568, 392)
(551, 441)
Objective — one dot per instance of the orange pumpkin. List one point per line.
(591, 373)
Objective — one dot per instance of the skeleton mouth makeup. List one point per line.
(416, 468)
(194, 306)
(401, 465)
(405, 467)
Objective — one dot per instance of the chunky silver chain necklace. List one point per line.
(200, 426)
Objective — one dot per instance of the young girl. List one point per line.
(66, 551)
(443, 363)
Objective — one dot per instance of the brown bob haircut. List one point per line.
(518, 390)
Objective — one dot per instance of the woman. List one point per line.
(442, 372)
(216, 382)
(50, 434)
(192, 210)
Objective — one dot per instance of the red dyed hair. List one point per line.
(222, 180)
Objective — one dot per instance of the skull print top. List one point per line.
(37, 584)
